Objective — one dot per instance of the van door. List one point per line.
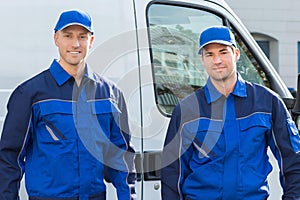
(171, 70)
(28, 48)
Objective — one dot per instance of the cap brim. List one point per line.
(215, 41)
(79, 24)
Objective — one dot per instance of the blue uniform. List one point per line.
(62, 136)
(222, 145)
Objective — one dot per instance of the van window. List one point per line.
(177, 70)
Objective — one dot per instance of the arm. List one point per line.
(287, 150)
(120, 157)
(12, 144)
(170, 173)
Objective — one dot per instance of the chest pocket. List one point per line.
(206, 138)
(55, 121)
(106, 112)
(102, 115)
(254, 130)
(96, 127)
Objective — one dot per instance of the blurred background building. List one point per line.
(275, 26)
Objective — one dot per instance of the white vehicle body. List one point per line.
(139, 44)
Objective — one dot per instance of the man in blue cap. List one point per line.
(66, 126)
(217, 140)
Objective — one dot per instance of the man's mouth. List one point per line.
(74, 52)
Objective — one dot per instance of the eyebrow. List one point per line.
(224, 49)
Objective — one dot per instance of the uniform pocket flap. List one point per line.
(203, 124)
(55, 106)
(104, 106)
(255, 120)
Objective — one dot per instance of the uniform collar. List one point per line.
(61, 76)
(212, 94)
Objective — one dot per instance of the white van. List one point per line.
(149, 48)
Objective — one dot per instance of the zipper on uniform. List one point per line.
(53, 131)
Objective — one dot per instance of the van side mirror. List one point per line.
(296, 108)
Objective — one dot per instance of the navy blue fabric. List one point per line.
(216, 147)
(62, 136)
(92, 197)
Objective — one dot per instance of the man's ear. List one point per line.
(237, 54)
(92, 41)
(202, 56)
(55, 37)
(201, 59)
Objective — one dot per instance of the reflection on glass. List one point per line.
(177, 69)
(247, 65)
(174, 34)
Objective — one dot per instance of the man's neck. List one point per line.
(76, 72)
(226, 86)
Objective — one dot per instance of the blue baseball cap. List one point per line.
(74, 17)
(216, 34)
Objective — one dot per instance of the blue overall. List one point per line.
(62, 136)
(216, 146)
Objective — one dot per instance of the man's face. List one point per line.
(220, 61)
(73, 43)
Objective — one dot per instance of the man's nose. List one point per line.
(217, 59)
(75, 42)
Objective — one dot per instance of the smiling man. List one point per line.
(66, 126)
(217, 140)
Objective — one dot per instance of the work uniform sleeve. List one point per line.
(12, 144)
(121, 154)
(286, 149)
(170, 172)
